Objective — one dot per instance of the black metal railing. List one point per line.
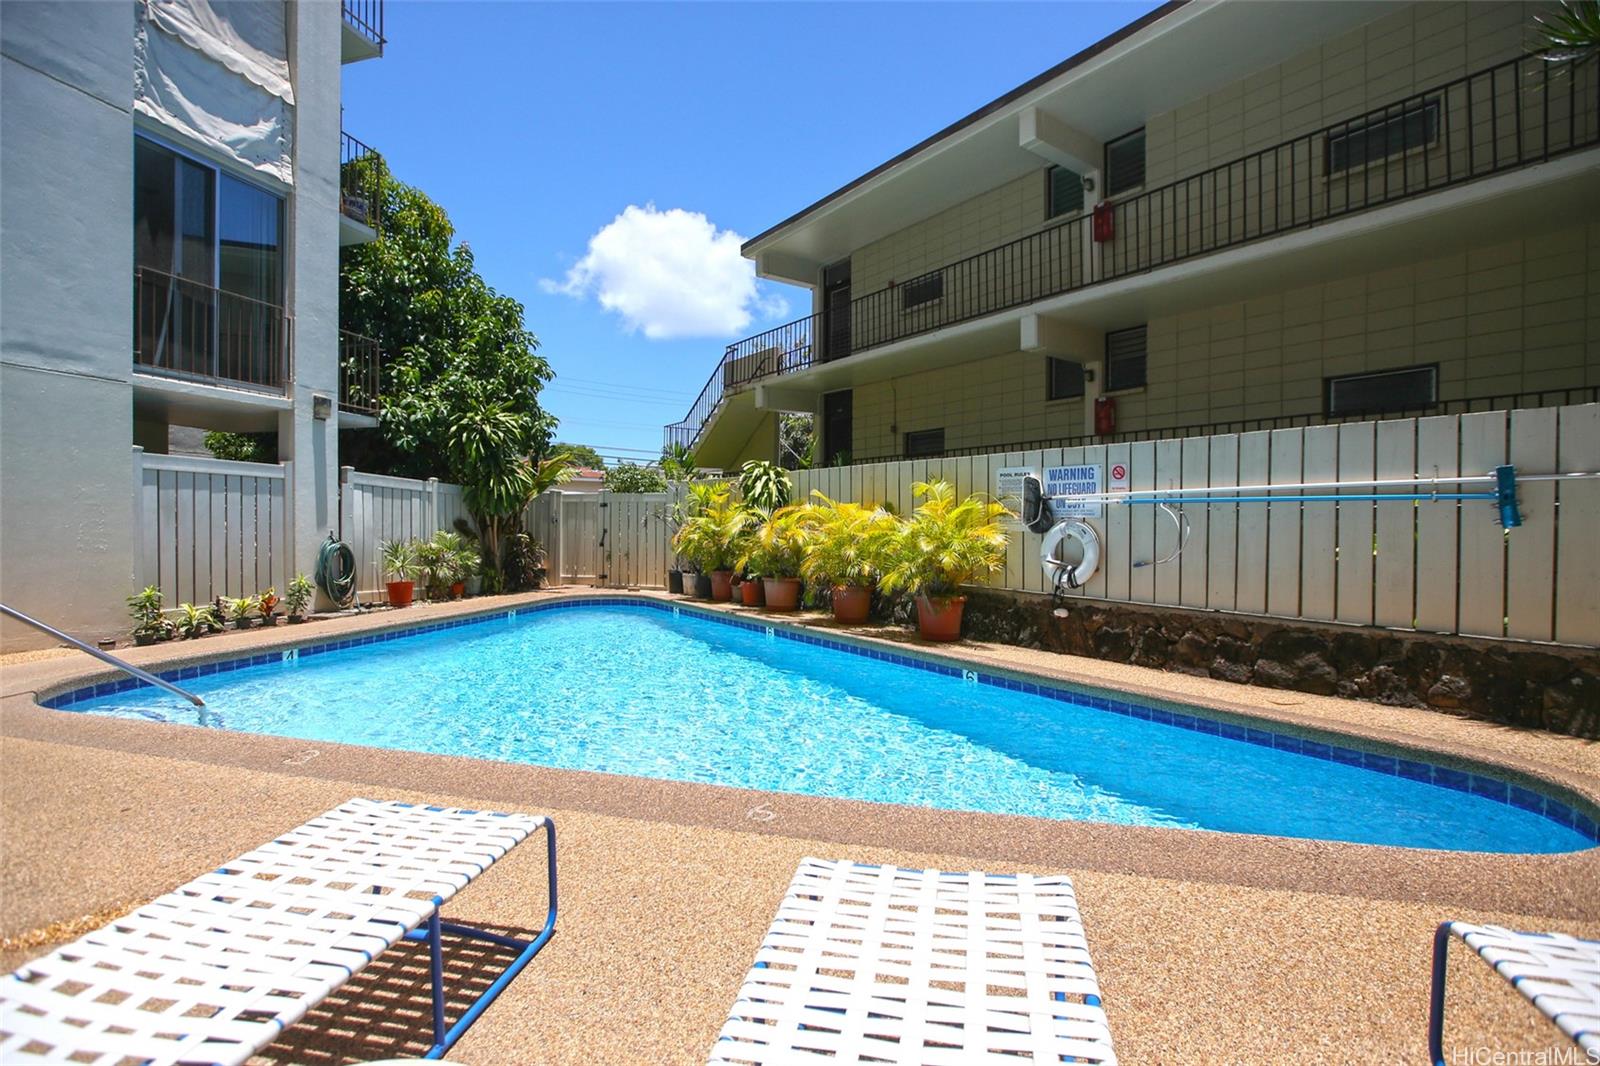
(185, 328)
(1514, 114)
(366, 18)
(1501, 402)
(360, 365)
(360, 181)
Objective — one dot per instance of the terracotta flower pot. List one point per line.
(939, 618)
(400, 593)
(851, 603)
(458, 590)
(782, 593)
(750, 592)
(702, 586)
(675, 581)
(722, 585)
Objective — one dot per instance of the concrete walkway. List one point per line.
(1211, 947)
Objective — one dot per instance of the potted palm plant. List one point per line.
(945, 544)
(399, 561)
(774, 553)
(713, 537)
(849, 546)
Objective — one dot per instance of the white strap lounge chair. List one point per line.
(883, 965)
(213, 971)
(1558, 974)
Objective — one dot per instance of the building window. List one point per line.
(1373, 139)
(1125, 358)
(1125, 163)
(924, 442)
(1415, 388)
(1064, 379)
(919, 291)
(1064, 192)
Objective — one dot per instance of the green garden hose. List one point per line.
(336, 571)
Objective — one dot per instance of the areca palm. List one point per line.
(946, 543)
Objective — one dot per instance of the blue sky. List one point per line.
(605, 160)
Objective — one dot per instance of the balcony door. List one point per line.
(174, 252)
(838, 423)
(836, 311)
(209, 270)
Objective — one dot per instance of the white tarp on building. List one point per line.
(217, 71)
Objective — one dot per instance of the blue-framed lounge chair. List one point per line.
(214, 970)
(882, 964)
(1558, 974)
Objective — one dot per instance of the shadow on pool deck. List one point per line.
(386, 1011)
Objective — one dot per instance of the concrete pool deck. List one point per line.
(1210, 947)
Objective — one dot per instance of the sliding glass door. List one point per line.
(209, 270)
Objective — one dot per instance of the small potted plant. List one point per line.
(150, 622)
(196, 621)
(849, 546)
(297, 597)
(775, 551)
(269, 603)
(399, 561)
(945, 544)
(241, 611)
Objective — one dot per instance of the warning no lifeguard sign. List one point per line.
(1062, 483)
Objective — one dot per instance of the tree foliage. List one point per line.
(582, 454)
(626, 477)
(453, 348)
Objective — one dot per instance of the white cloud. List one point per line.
(670, 274)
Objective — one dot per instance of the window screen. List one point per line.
(1065, 192)
(921, 290)
(924, 442)
(1389, 134)
(1065, 379)
(1125, 163)
(1412, 389)
(1125, 358)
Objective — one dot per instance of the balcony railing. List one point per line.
(360, 363)
(184, 328)
(1502, 402)
(366, 18)
(360, 181)
(1514, 114)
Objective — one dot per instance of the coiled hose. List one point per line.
(336, 571)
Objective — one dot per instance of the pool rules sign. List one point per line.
(1063, 483)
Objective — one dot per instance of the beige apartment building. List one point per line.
(1226, 216)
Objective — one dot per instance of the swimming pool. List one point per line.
(643, 688)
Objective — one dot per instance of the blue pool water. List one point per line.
(637, 689)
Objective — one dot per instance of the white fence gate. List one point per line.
(209, 527)
(376, 508)
(605, 539)
(1437, 566)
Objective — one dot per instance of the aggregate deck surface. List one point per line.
(1213, 948)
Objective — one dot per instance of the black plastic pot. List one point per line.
(702, 586)
(675, 581)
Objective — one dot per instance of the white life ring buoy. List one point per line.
(1058, 571)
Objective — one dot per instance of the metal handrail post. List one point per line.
(105, 657)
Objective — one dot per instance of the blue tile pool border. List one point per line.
(1486, 786)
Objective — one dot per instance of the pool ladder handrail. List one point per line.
(105, 657)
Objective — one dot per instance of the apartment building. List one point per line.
(174, 191)
(1226, 216)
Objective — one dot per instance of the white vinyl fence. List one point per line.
(605, 539)
(209, 528)
(1437, 566)
(375, 508)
